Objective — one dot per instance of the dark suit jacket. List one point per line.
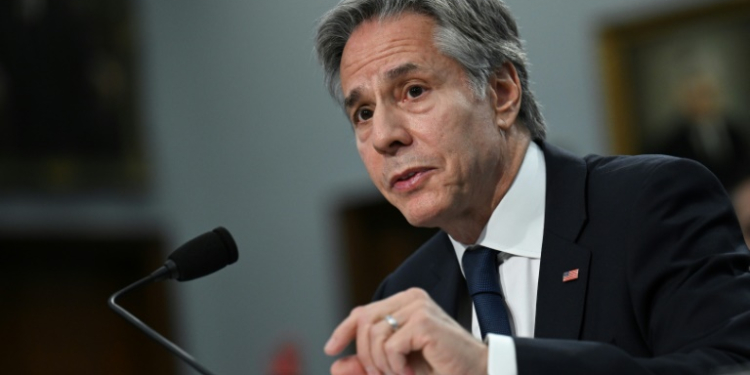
(663, 285)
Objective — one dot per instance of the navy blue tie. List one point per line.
(480, 267)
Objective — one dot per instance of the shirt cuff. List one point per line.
(501, 359)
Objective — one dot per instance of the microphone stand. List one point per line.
(158, 275)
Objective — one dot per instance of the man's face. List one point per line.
(431, 147)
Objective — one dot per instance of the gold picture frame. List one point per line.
(649, 61)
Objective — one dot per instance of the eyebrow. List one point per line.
(391, 75)
(352, 98)
(400, 70)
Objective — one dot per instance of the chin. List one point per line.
(421, 214)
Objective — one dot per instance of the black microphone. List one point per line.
(198, 257)
(203, 255)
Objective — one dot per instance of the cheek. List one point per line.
(372, 163)
(462, 135)
(473, 147)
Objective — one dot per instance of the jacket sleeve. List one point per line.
(688, 284)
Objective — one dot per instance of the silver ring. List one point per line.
(391, 322)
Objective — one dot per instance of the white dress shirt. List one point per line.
(515, 228)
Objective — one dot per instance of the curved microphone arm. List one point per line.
(158, 275)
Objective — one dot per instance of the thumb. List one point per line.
(347, 366)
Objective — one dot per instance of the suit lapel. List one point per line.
(560, 305)
(448, 286)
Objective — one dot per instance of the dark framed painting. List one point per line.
(69, 118)
(678, 82)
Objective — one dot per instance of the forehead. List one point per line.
(377, 46)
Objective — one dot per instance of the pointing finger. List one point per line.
(343, 334)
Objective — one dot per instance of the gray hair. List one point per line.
(480, 34)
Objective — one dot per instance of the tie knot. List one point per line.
(480, 268)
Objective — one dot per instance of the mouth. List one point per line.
(410, 178)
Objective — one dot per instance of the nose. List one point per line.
(390, 132)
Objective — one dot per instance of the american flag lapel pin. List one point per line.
(570, 275)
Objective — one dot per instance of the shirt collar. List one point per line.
(516, 226)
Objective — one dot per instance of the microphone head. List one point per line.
(203, 255)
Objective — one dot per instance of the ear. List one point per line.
(505, 93)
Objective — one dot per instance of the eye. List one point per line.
(362, 114)
(415, 91)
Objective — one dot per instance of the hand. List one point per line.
(427, 341)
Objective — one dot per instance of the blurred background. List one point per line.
(128, 127)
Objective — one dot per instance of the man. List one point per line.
(704, 131)
(606, 265)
